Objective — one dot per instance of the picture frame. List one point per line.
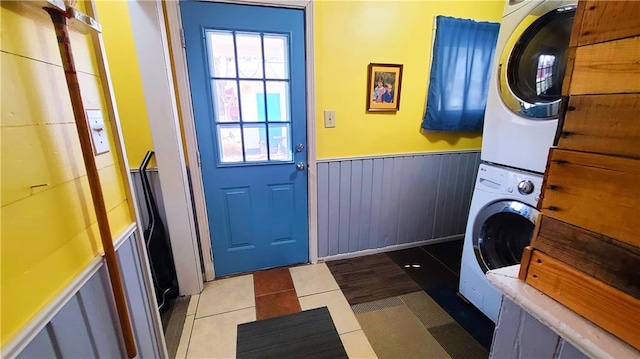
(384, 82)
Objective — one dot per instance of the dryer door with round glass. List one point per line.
(534, 62)
(501, 231)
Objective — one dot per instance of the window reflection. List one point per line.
(255, 143)
(230, 143)
(249, 50)
(544, 74)
(225, 97)
(222, 60)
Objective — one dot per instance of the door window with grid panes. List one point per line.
(250, 89)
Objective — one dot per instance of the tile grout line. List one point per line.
(228, 311)
(192, 325)
(276, 292)
(352, 331)
(197, 305)
(326, 291)
(190, 334)
(439, 261)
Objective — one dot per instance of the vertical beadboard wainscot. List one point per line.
(387, 202)
(82, 321)
(520, 335)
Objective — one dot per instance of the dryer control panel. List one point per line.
(512, 183)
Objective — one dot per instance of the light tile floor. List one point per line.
(221, 296)
(210, 329)
(312, 279)
(340, 310)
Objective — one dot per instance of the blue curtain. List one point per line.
(460, 73)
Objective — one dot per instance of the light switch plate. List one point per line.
(98, 132)
(329, 118)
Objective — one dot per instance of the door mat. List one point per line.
(308, 334)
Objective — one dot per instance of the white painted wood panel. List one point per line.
(150, 36)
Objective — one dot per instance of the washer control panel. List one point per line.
(512, 183)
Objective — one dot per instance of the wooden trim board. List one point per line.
(524, 262)
(609, 308)
(593, 191)
(608, 67)
(599, 256)
(116, 130)
(528, 250)
(601, 21)
(603, 124)
(577, 24)
(566, 83)
(544, 182)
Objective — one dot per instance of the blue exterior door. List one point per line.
(247, 74)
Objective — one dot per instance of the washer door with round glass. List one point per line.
(501, 231)
(534, 61)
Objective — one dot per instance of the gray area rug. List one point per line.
(308, 334)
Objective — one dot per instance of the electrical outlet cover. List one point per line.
(329, 118)
(98, 132)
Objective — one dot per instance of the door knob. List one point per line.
(300, 166)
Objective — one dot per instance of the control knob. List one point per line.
(525, 187)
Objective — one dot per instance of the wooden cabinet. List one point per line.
(585, 251)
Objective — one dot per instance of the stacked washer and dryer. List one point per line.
(520, 123)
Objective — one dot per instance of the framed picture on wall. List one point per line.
(383, 87)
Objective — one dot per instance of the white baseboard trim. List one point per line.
(406, 154)
(40, 321)
(396, 247)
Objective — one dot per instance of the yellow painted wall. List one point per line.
(49, 234)
(348, 36)
(351, 34)
(125, 75)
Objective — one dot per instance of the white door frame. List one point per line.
(150, 37)
(176, 40)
